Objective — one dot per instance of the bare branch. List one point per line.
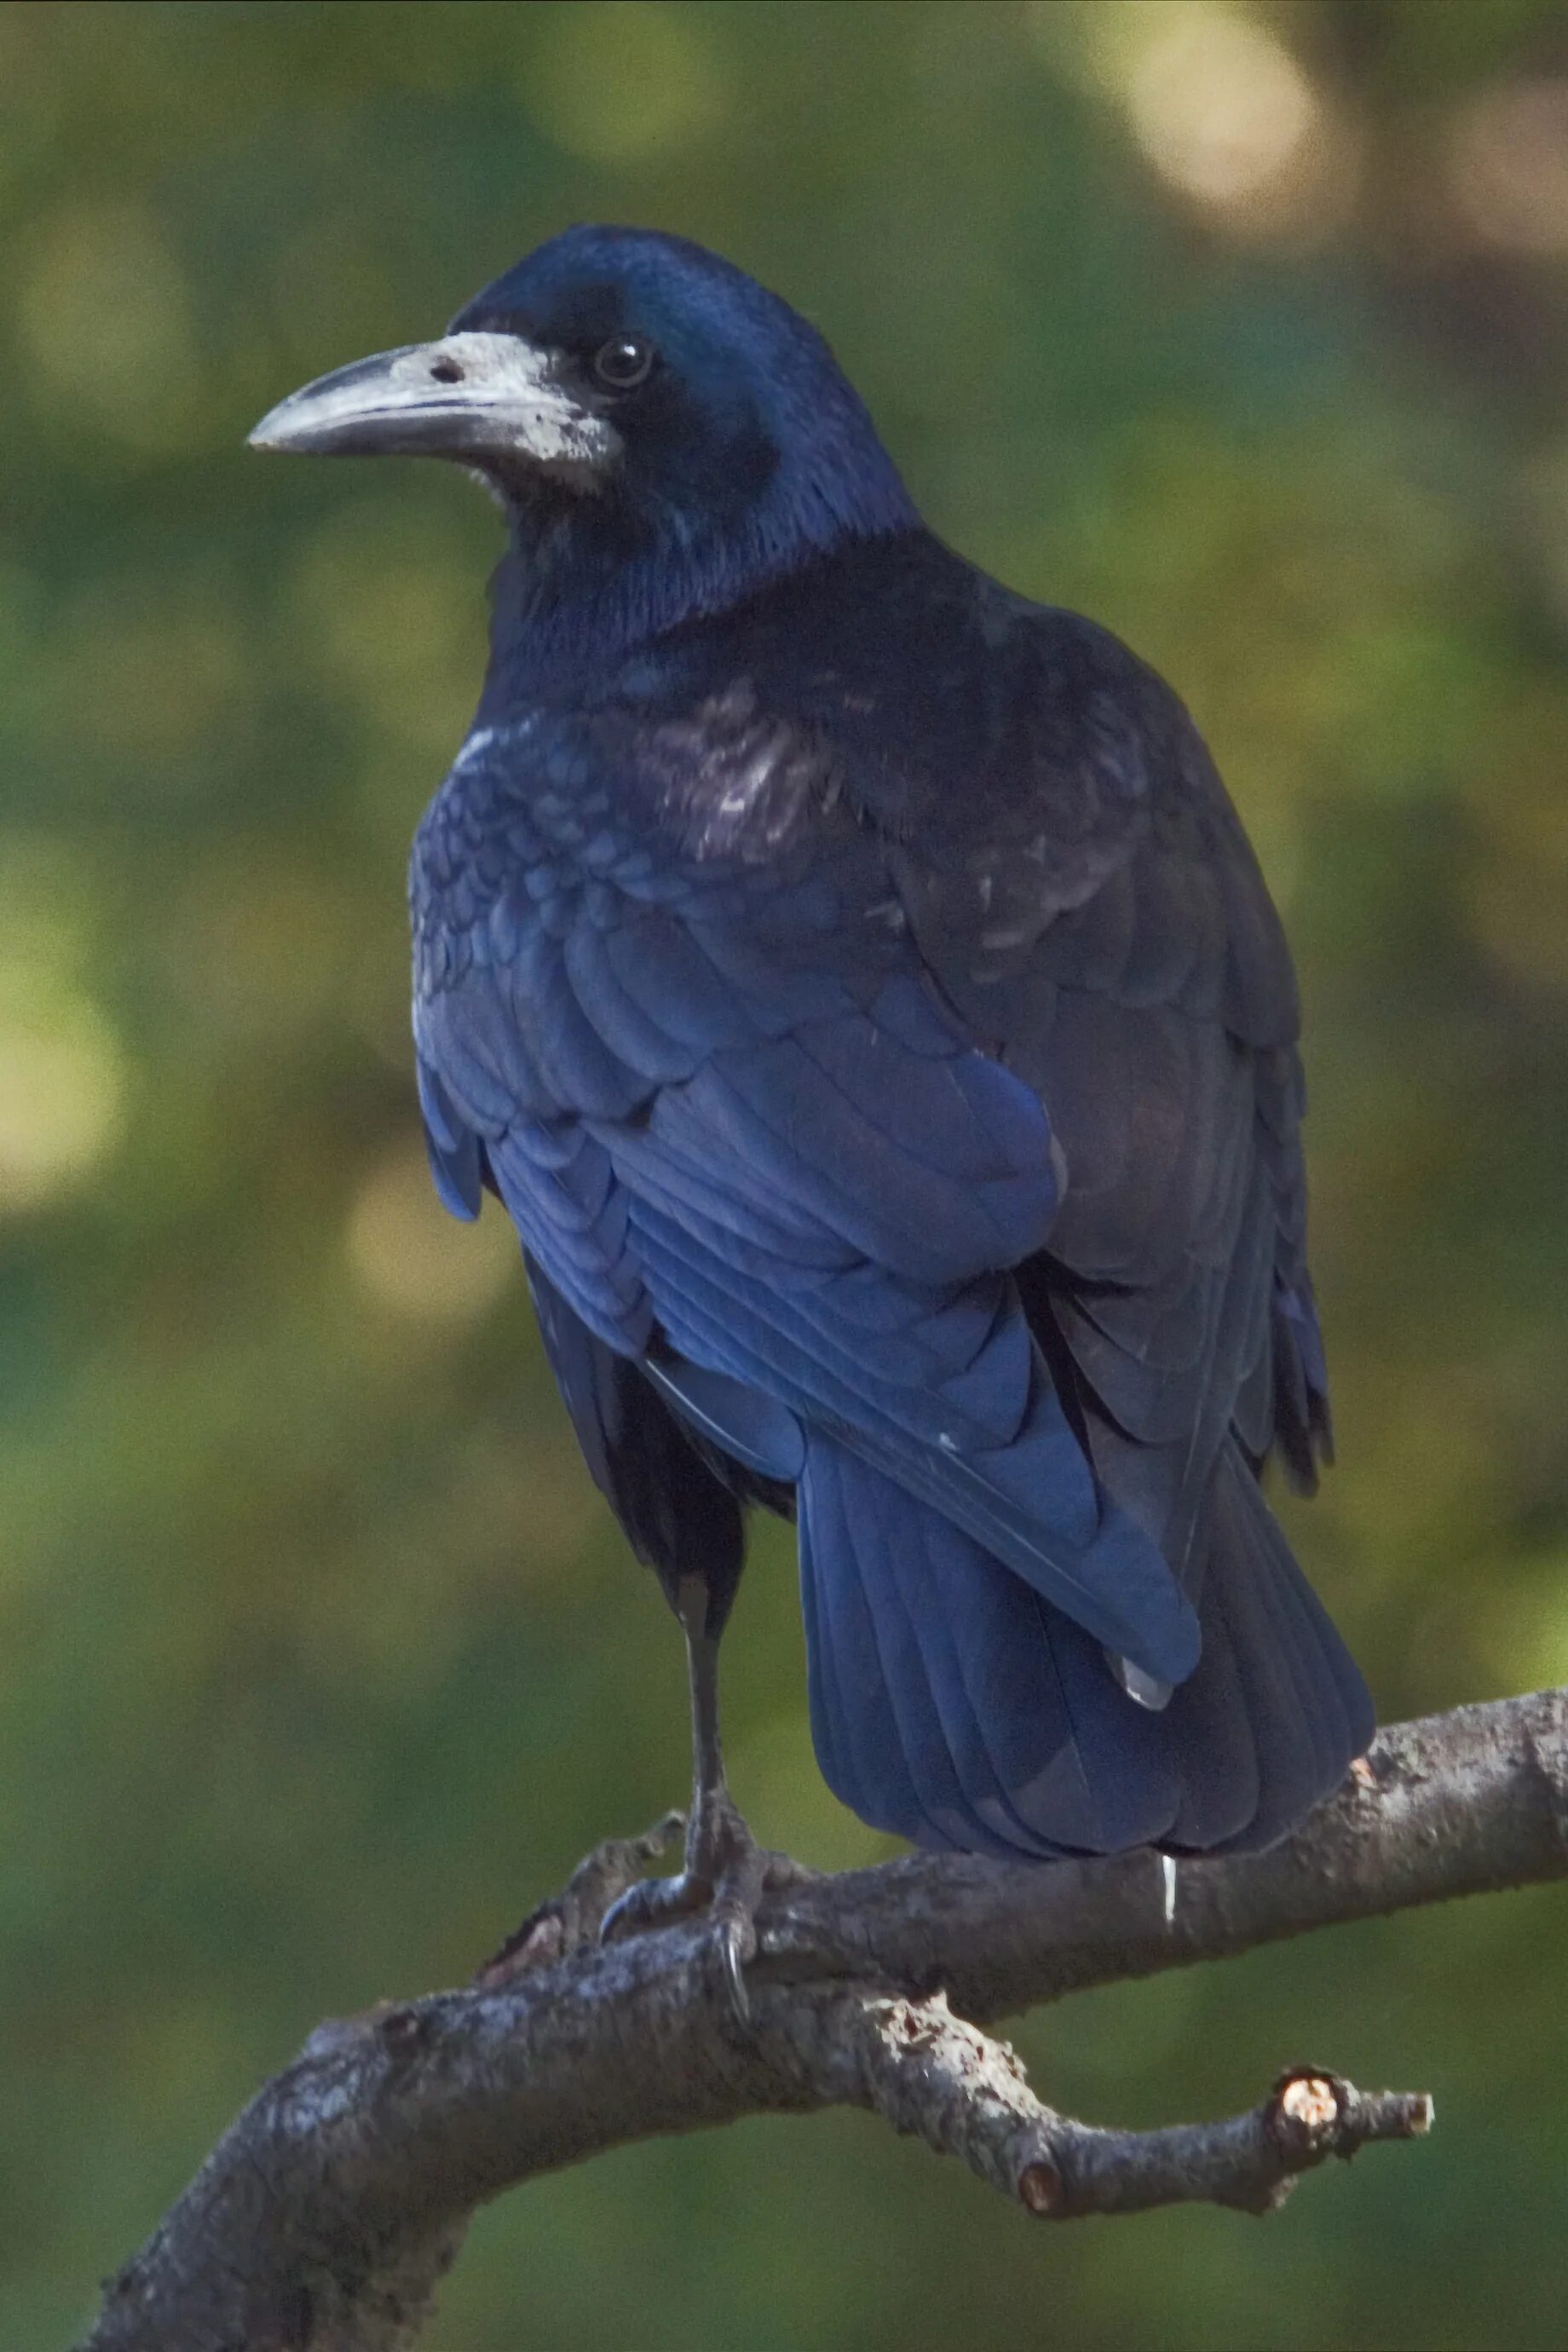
(327, 2214)
(1251, 2162)
(923, 2070)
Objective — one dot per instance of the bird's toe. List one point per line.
(655, 1903)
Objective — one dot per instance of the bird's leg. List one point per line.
(724, 1870)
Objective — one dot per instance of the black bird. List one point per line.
(856, 983)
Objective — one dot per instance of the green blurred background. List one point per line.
(1243, 329)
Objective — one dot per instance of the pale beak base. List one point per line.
(476, 397)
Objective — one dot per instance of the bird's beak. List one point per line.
(477, 397)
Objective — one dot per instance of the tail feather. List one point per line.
(973, 1626)
(1283, 1712)
(873, 1565)
(1225, 1778)
(856, 1727)
(951, 1703)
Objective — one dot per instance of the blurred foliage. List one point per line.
(1243, 329)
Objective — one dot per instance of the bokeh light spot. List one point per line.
(1509, 166)
(62, 1088)
(105, 318)
(414, 1258)
(1224, 113)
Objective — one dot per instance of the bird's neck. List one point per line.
(580, 587)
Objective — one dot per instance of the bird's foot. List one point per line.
(726, 1874)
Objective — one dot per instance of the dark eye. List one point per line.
(623, 362)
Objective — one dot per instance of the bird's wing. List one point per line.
(750, 1143)
(1095, 915)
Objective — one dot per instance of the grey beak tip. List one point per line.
(266, 434)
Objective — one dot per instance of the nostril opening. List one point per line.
(445, 371)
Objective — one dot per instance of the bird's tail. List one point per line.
(949, 1703)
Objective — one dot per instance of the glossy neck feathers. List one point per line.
(588, 577)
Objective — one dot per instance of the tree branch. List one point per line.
(328, 2213)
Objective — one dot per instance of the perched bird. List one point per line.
(857, 985)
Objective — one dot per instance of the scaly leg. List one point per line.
(724, 1872)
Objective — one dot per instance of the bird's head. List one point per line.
(639, 406)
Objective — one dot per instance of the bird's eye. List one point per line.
(623, 362)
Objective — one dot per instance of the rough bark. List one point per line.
(326, 2216)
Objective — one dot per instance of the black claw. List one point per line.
(626, 1915)
(654, 1903)
(739, 1999)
